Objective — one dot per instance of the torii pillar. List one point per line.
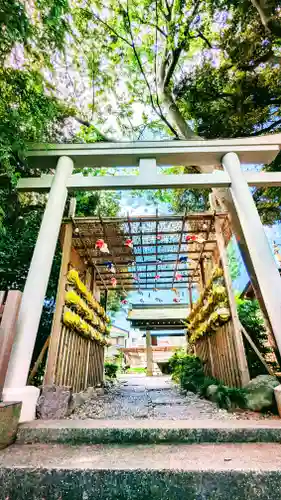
(255, 245)
(15, 388)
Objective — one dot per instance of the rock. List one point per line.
(260, 393)
(54, 402)
(80, 398)
(212, 393)
(99, 391)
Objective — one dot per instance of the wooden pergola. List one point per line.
(160, 253)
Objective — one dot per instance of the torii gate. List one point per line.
(205, 154)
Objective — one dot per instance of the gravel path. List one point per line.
(135, 397)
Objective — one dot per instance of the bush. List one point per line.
(110, 369)
(252, 320)
(188, 371)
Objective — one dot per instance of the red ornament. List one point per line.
(157, 277)
(129, 243)
(99, 243)
(176, 299)
(178, 276)
(191, 237)
(159, 237)
(113, 282)
(124, 301)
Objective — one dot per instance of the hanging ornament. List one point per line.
(129, 243)
(159, 237)
(136, 278)
(124, 301)
(102, 246)
(113, 282)
(110, 267)
(175, 290)
(142, 301)
(158, 299)
(205, 227)
(158, 261)
(140, 292)
(76, 230)
(178, 276)
(157, 277)
(190, 237)
(183, 259)
(176, 300)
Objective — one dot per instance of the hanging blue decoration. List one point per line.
(183, 259)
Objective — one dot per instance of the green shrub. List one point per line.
(110, 369)
(188, 371)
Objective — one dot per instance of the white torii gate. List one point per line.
(208, 155)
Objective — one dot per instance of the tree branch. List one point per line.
(270, 24)
(158, 112)
(88, 124)
(267, 129)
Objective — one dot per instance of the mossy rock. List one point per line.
(260, 393)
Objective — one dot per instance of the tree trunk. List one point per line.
(175, 117)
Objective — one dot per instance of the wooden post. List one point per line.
(211, 356)
(202, 273)
(149, 355)
(56, 326)
(190, 296)
(7, 332)
(39, 360)
(240, 351)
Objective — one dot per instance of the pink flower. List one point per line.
(157, 277)
(159, 237)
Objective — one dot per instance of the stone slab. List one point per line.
(166, 472)
(150, 431)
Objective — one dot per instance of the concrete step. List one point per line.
(150, 431)
(247, 471)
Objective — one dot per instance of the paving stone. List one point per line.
(140, 397)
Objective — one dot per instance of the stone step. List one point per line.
(150, 431)
(247, 471)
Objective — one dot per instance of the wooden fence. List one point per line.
(9, 308)
(218, 354)
(80, 361)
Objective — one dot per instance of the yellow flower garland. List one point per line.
(211, 309)
(89, 318)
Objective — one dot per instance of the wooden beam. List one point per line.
(255, 349)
